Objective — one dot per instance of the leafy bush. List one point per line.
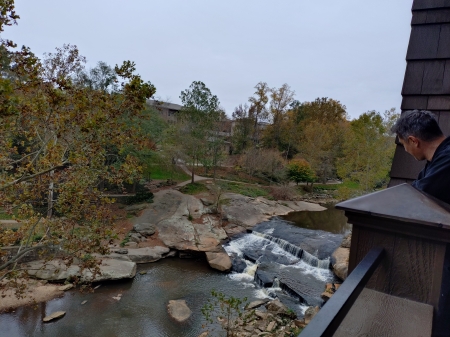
(299, 170)
(282, 192)
(229, 310)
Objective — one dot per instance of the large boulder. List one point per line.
(145, 228)
(219, 260)
(56, 270)
(339, 260)
(179, 310)
(239, 265)
(147, 254)
(186, 229)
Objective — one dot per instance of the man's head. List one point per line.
(416, 131)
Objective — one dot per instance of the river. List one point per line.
(297, 278)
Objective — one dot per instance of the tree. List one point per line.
(299, 170)
(55, 137)
(368, 150)
(258, 109)
(322, 135)
(243, 129)
(199, 113)
(280, 100)
(101, 77)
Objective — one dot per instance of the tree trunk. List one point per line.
(193, 163)
(50, 196)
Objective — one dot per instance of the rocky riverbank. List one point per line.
(175, 223)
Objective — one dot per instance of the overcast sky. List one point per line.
(349, 50)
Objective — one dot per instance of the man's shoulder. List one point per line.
(444, 149)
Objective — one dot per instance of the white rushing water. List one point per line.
(296, 257)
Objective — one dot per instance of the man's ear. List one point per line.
(414, 140)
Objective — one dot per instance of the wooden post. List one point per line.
(414, 231)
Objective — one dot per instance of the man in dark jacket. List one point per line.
(421, 136)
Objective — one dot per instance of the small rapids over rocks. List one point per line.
(279, 259)
(285, 261)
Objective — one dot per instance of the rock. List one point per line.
(116, 256)
(172, 253)
(145, 228)
(265, 275)
(271, 326)
(247, 212)
(56, 270)
(239, 265)
(53, 316)
(66, 287)
(326, 295)
(131, 244)
(135, 208)
(329, 287)
(256, 304)
(136, 237)
(121, 251)
(147, 254)
(299, 323)
(340, 258)
(178, 232)
(277, 307)
(347, 241)
(220, 260)
(310, 313)
(206, 202)
(179, 310)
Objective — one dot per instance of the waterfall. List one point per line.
(276, 283)
(251, 269)
(286, 246)
(296, 251)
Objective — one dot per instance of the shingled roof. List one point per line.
(427, 76)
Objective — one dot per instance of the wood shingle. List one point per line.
(426, 84)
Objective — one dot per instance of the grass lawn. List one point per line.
(161, 172)
(194, 188)
(247, 190)
(229, 173)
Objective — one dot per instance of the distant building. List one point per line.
(168, 111)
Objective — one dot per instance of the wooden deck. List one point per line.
(378, 314)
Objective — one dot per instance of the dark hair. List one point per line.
(418, 123)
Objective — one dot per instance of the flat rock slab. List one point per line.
(56, 270)
(256, 304)
(147, 254)
(179, 310)
(247, 212)
(66, 287)
(53, 316)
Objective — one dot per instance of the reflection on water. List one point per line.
(142, 311)
(331, 220)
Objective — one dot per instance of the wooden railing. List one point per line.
(328, 319)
